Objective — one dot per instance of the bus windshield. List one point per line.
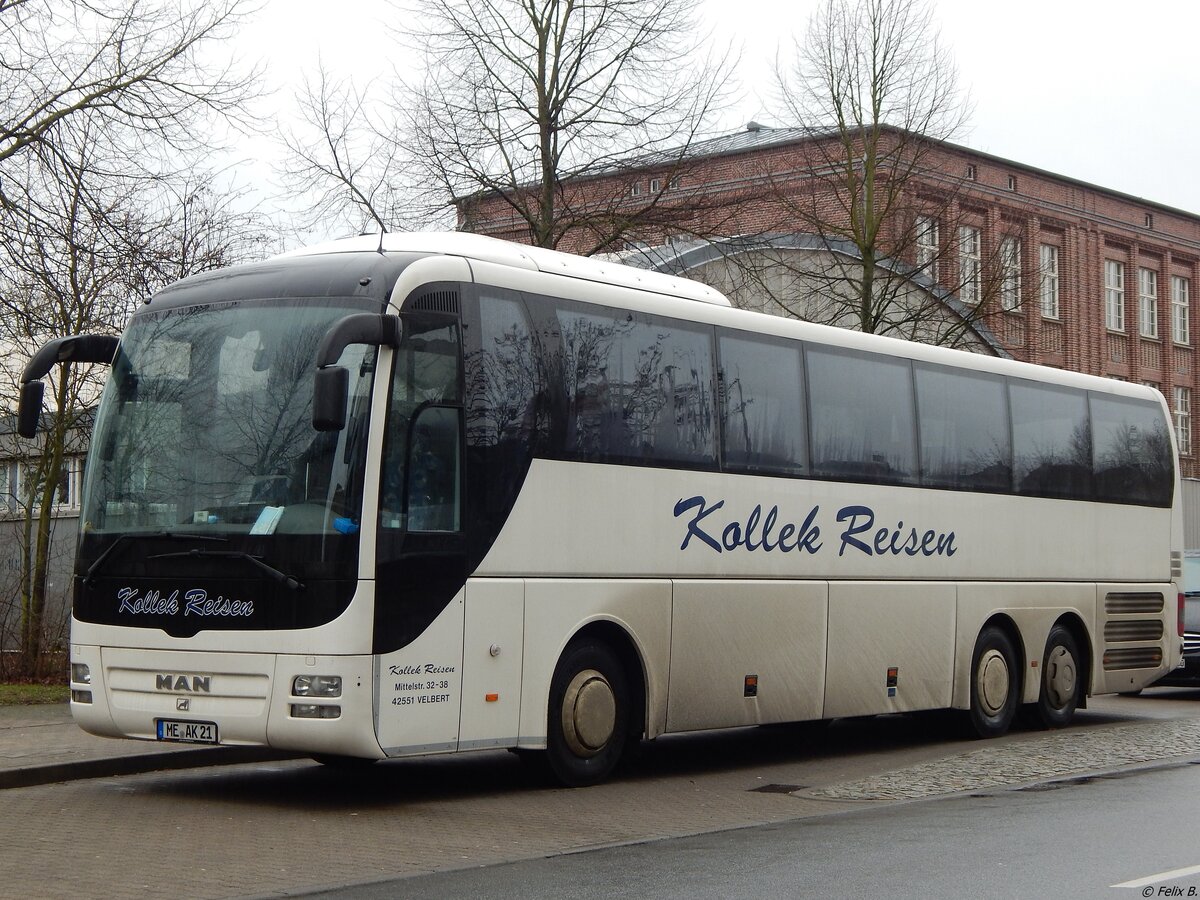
(206, 426)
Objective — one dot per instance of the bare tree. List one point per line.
(533, 119)
(345, 159)
(893, 248)
(102, 105)
(63, 274)
(76, 267)
(137, 69)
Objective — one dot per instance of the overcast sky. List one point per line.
(1101, 91)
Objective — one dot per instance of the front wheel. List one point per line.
(588, 714)
(1062, 682)
(995, 683)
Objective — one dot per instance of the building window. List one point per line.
(66, 491)
(1012, 182)
(927, 246)
(968, 263)
(655, 185)
(1114, 295)
(1049, 281)
(673, 184)
(1181, 324)
(15, 478)
(1183, 419)
(1149, 220)
(971, 173)
(635, 189)
(1147, 303)
(10, 486)
(1010, 274)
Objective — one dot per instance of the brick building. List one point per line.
(1087, 278)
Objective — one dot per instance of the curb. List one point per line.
(30, 776)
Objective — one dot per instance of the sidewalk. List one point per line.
(41, 744)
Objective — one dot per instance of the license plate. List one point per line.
(187, 732)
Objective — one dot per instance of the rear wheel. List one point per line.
(589, 714)
(1062, 681)
(995, 683)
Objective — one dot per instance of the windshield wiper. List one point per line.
(281, 577)
(129, 536)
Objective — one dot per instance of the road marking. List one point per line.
(1161, 876)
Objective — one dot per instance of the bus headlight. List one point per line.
(80, 674)
(317, 686)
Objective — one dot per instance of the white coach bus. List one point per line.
(423, 494)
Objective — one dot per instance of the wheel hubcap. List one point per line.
(589, 713)
(992, 682)
(1060, 677)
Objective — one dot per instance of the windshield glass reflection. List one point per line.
(206, 426)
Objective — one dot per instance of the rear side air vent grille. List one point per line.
(1132, 658)
(1134, 602)
(1119, 631)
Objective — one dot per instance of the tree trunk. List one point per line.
(36, 565)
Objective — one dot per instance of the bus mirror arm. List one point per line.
(331, 382)
(80, 348)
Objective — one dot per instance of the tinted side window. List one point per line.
(502, 379)
(1052, 447)
(963, 424)
(861, 415)
(1132, 451)
(637, 388)
(763, 405)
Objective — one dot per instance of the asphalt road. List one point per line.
(1128, 835)
(789, 811)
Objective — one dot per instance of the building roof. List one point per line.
(755, 136)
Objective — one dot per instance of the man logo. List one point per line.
(194, 684)
(183, 704)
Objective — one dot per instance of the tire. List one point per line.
(995, 683)
(1062, 680)
(588, 715)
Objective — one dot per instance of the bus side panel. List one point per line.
(491, 693)
(556, 610)
(875, 627)
(1033, 609)
(420, 688)
(725, 632)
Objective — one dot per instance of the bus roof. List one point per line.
(538, 259)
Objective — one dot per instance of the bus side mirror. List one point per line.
(75, 348)
(29, 411)
(330, 387)
(331, 382)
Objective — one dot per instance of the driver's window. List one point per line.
(425, 376)
(434, 482)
